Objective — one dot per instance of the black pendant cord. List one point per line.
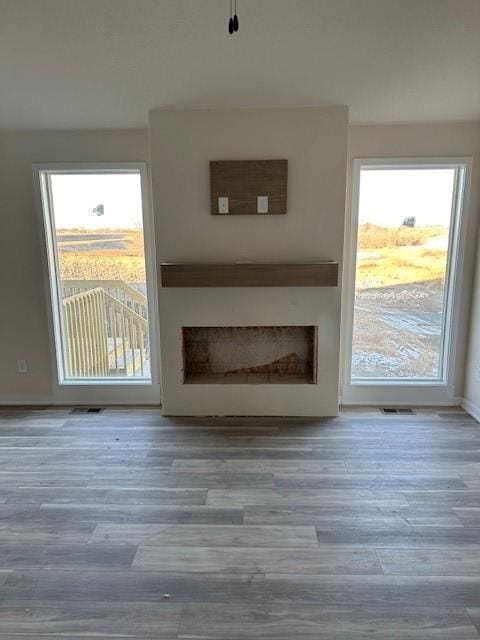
(233, 22)
(235, 17)
(230, 22)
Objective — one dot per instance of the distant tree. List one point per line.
(409, 222)
(99, 210)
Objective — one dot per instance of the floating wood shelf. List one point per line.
(249, 274)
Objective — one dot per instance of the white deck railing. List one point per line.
(105, 335)
(120, 290)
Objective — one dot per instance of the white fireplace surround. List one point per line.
(246, 307)
(182, 144)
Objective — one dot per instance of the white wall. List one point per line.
(24, 333)
(390, 141)
(23, 317)
(182, 144)
(472, 375)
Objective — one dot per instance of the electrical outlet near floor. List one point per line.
(22, 366)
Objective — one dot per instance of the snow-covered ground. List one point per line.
(437, 242)
(397, 331)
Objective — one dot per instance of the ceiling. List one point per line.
(105, 63)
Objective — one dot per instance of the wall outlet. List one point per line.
(478, 374)
(22, 366)
(223, 204)
(262, 204)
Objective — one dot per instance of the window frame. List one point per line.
(141, 389)
(409, 390)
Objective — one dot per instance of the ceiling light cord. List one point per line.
(233, 22)
(235, 17)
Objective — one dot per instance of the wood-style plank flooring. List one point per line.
(131, 525)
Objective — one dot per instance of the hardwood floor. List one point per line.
(130, 525)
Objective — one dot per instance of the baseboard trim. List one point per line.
(7, 401)
(454, 403)
(72, 402)
(471, 408)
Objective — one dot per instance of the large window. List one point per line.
(98, 273)
(407, 237)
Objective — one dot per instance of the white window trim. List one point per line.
(407, 391)
(88, 390)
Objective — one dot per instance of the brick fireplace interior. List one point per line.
(249, 355)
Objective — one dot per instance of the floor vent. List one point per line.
(402, 411)
(86, 410)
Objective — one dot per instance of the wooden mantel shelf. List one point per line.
(249, 274)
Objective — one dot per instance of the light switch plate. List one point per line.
(22, 366)
(223, 204)
(262, 204)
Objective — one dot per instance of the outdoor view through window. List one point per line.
(403, 239)
(97, 228)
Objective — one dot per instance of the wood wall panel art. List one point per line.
(253, 187)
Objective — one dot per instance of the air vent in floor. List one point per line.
(86, 410)
(401, 411)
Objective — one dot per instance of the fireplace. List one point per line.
(249, 355)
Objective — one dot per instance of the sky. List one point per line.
(387, 197)
(76, 195)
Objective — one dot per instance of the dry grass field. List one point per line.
(101, 254)
(399, 301)
(387, 256)
(372, 236)
(398, 266)
(390, 256)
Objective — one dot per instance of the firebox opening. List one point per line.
(250, 355)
